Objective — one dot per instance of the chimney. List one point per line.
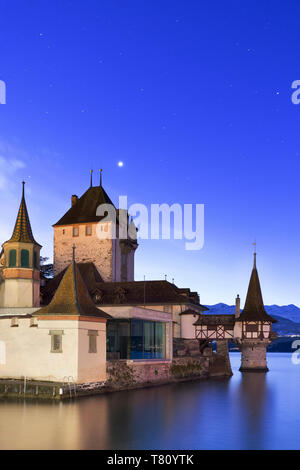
(237, 306)
(74, 199)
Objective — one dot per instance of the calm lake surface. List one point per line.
(248, 411)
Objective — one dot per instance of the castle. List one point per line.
(93, 312)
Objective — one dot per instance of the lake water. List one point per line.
(248, 411)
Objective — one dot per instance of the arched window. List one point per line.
(12, 258)
(24, 258)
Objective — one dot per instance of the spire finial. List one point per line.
(74, 249)
(91, 178)
(101, 177)
(23, 189)
(254, 265)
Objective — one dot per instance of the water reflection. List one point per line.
(253, 396)
(248, 411)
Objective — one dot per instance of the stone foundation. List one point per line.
(134, 374)
(123, 375)
(190, 347)
(222, 350)
(254, 355)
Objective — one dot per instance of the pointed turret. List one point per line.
(22, 230)
(72, 297)
(254, 309)
(21, 263)
(253, 328)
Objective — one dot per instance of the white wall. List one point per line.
(27, 351)
(91, 366)
(188, 330)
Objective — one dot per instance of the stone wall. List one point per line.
(89, 248)
(254, 355)
(129, 374)
(190, 347)
(121, 375)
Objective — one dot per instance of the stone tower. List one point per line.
(253, 328)
(93, 236)
(20, 264)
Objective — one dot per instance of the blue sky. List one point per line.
(195, 99)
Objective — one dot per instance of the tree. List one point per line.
(46, 269)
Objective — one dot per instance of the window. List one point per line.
(88, 230)
(93, 341)
(251, 328)
(75, 231)
(12, 258)
(24, 258)
(135, 339)
(56, 341)
(35, 260)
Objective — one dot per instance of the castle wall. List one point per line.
(20, 292)
(25, 350)
(188, 329)
(89, 248)
(28, 350)
(91, 366)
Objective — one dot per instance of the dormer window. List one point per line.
(75, 231)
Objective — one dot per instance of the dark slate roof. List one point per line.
(22, 231)
(84, 210)
(72, 297)
(254, 309)
(190, 311)
(124, 293)
(226, 320)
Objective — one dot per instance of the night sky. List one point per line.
(193, 96)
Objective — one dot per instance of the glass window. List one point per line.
(12, 258)
(147, 340)
(25, 258)
(56, 341)
(118, 339)
(88, 230)
(75, 231)
(135, 339)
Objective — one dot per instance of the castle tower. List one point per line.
(253, 328)
(21, 264)
(93, 236)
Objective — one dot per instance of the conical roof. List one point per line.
(254, 309)
(84, 210)
(22, 231)
(72, 297)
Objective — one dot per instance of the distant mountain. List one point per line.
(287, 316)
